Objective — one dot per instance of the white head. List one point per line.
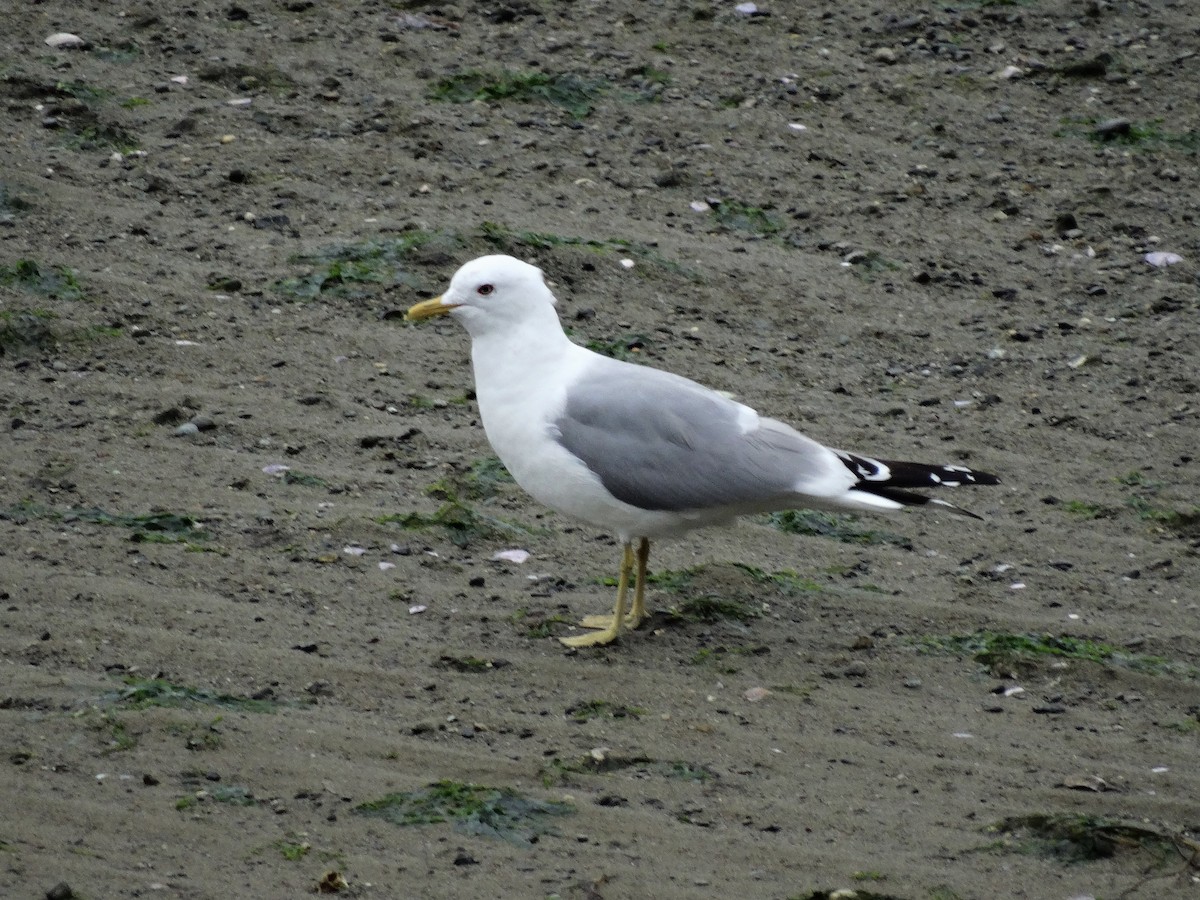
(493, 293)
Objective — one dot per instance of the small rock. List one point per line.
(203, 423)
(332, 882)
(1065, 222)
(1110, 129)
(513, 556)
(187, 429)
(885, 55)
(855, 670)
(61, 891)
(1096, 67)
(1086, 783)
(1161, 258)
(64, 40)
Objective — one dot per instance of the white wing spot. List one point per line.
(747, 419)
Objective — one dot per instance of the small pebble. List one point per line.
(1161, 258)
(1112, 128)
(64, 40)
(187, 429)
(1086, 783)
(513, 556)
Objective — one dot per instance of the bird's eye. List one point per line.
(484, 289)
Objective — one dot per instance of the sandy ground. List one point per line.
(893, 225)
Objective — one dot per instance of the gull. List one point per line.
(639, 452)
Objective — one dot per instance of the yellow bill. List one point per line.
(427, 309)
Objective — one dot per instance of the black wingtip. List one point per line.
(893, 480)
(985, 477)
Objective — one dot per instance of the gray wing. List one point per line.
(661, 442)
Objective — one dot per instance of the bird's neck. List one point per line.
(523, 358)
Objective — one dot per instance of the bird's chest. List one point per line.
(521, 398)
(518, 406)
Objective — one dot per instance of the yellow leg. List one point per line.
(610, 627)
(639, 592)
